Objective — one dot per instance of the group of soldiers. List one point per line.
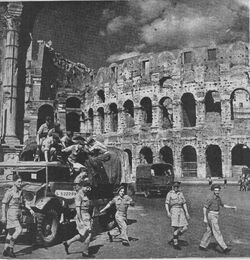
(177, 210)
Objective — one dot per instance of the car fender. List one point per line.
(43, 202)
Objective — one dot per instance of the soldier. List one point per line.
(12, 205)
(177, 210)
(83, 218)
(211, 214)
(122, 203)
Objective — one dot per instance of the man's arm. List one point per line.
(186, 210)
(205, 214)
(4, 213)
(229, 207)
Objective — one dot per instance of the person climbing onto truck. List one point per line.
(122, 202)
(83, 218)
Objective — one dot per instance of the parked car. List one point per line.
(154, 178)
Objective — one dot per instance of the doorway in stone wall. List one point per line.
(146, 155)
(43, 112)
(189, 161)
(213, 161)
(166, 155)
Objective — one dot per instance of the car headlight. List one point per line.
(28, 196)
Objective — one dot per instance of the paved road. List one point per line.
(150, 231)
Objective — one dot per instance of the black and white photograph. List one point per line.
(124, 129)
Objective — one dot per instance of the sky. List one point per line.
(98, 33)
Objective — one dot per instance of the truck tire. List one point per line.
(47, 227)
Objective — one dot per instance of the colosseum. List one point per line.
(189, 107)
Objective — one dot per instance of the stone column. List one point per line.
(10, 72)
(97, 125)
(177, 114)
(61, 115)
(226, 112)
(156, 116)
(200, 113)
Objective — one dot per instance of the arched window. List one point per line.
(213, 102)
(129, 113)
(43, 111)
(113, 117)
(166, 112)
(146, 155)
(73, 102)
(91, 120)
(188, 110)
(166, 155)
(189, 161)
(213, 161)
(100, 112)
(146, 108)
(101, 95)
(240, 104)
(73, 122)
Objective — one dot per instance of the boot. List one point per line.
(6, 251)
(11, 253)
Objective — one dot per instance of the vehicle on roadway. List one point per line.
(48, 190)
(154, 178)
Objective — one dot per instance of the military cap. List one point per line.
(176, 184)
(119, 188)
(215, 186)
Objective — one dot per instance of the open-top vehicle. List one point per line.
(48, 190)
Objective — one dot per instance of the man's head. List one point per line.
(216, 189)
(48, 120)
(176, 185)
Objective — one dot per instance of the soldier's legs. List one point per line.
(216, 231)
(85, 242)
(206, 237)
(121, 222)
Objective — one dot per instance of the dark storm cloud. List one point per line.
(179, 23)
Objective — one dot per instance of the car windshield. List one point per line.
(162, 169)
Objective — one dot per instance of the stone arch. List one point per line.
(213, 102)
(146, 109)
(129, 113)
(189, 161)
(240, 155)
(113, 117)
(146, 155)
(100, 114)
(130, 157)
(73, 122)
(166, 155)
(73, 102)
(43, 111)
(188, 105)
(166, 116)
(101, 95)
(213, 161)
(240, 103)
(91, 120)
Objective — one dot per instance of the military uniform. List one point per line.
(213, 204)
(84, 227)
(14, 200)
(176, 202)
(122, 204)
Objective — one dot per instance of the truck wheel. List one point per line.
(47, 227)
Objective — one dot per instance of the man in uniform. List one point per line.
(211, 215)
(176, 208)
(122, 202)
(83, 218)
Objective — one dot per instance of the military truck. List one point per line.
(48, 190)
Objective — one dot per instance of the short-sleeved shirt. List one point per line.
(43, 130)
(75, 151)
(67, 141)
(82, 201)
(13, 198)
(213, 203)
(175, 199)
(121, 203)
(47, 143)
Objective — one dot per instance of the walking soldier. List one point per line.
(122, 203)
(83, 218)
(177, 210)
(211, 215)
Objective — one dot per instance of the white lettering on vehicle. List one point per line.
(65, 194)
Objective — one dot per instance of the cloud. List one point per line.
(118, 23)
(122, 56)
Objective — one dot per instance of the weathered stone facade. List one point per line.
(187, 107)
